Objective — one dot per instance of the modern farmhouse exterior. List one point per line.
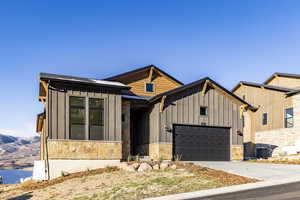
(143, 112)
(275, 126)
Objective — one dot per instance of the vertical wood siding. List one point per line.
(58, 113)
(184, 108)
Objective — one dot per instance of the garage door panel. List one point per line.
(201, 143)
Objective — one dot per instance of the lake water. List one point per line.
(13, 176)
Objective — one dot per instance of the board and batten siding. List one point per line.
(184, 108)
(58, 112)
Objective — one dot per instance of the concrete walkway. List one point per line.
(262, 171)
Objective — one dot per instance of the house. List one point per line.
(275, 126)
(89, 122)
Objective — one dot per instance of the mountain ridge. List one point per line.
(18, 152)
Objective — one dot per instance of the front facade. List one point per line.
(275, 125)
(144, 112)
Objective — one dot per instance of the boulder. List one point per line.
(156, 166)
(126, 167)
(144, 167)
(135, 165)
(164, 165)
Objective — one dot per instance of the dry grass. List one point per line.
(279, 161)
(117, 184)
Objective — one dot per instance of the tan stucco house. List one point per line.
(275, 125)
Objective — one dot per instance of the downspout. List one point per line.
(46, 138)
(46, 157)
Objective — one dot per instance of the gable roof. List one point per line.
(195, 83)
(87, 81)
(282, 75)
(148, 67)
(270, 87)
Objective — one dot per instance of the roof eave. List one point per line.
(45, 78)
(157, 97)
(141, 69)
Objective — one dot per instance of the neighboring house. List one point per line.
(275, 125)
(89, 122)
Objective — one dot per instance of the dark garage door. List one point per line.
(196, 143)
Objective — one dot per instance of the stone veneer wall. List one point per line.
(160, 151)
(276, 139)
(77, 150)
(164, 151)
(237, 152)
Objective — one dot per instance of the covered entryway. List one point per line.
(201, 143)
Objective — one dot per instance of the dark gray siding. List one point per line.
(184, 108)
(58, 111)
(154, 123)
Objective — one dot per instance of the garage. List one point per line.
(201, 143)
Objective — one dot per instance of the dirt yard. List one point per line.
(112, 183)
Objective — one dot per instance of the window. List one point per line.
(79, 123)
(77, 118)
(149, 87)
(289, 118)
(265, 119)
(203, 111)
(244, 97)
(96, 119)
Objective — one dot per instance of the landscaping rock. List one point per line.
(156, 166)
(173, 166)
(164, 165)
(127, 167)
(144, 167)
(136, 165)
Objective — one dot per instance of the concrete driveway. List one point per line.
(263, 171)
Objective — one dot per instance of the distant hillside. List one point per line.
(17, 152)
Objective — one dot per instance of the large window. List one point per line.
(81, 127)
(96, 119)
(289, 118)
(77, 118)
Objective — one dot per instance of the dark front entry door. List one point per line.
(201, 143)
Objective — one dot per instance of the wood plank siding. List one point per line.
(184, 108)
(57, 110)
(138, 81)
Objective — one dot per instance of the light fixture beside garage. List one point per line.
(239, 133)
(167, 128)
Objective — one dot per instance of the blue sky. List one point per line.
(228, 40)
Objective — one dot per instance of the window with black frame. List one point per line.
(77, 118)
(289, 118)
(264, 118)
(96, 119)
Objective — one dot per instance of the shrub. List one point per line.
(130, 158)
(177, 158)
(137, 158)
(109, 169)
(64, 174)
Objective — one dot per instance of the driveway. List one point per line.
(263, 171)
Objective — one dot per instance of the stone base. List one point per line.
(161, 151)
(56, 167)
(277, 140)
(81, 149)
(237, 152)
